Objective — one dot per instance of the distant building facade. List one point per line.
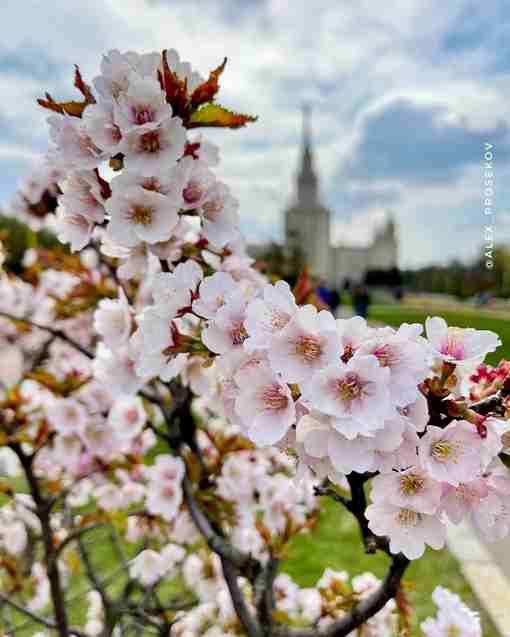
(307, 231)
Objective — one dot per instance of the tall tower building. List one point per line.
(307, 220)
(307, 229)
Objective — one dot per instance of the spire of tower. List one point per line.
(307, 179)
(307, 118)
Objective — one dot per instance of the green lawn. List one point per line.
(335, 543)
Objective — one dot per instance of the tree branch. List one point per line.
(247, 619)
(50, 554)
(36, 618)
(243, 562)
(56, 333)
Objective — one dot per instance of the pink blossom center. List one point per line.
(192, 193)
(142, 114)
(348, 353)
(141, 215)
(149, 142)
(279, 319)
(408, 518)
(131, 416)
(238, 334)
(411, 484)
(453, 345)
(274, 398)
(309, 348)
(444, 450)
(386, 355)
(152, 183)
(168, 491)
(350, 387)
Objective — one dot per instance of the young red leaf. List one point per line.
(69, 108)
(208, 89)
(84, 88)
(176, 90)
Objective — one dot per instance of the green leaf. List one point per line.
(214, 115)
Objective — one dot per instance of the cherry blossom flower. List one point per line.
(411, 488)
(451, 454)
(148, 567)
(308, 343)
(355, 394)
(220, 218)
(142, 103)
(459, 345)
(127, 417)
(404, 357)
(153, 147)
(164, 493)
(195, 180)
(101, 126)
(352, 333)
(155, 341)
(213, 294)
(11, 365)
(67, 416)
(112, 320)
(140, 215)
(264, 406)
(267, 316)
(408, 530)
(117, 369)
(74, 229)
(172, 291)
(73, 145)
(81, 195)
(459, 501)
(227, 333)
(453, 617)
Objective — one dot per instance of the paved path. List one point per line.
(487, 570)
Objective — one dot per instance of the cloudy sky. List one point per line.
(404, 100)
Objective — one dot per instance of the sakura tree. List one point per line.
(157, 387)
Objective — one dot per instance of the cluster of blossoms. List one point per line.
(35, 199)
(319, 605)
(453, 617)
(281, 400)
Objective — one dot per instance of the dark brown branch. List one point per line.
(75, 535)
(264, 594)
(50, 555)
(356, 505)
(56, 333)
(36, 618)
(247, 619)
(95, 581)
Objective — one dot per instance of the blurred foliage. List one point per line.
(17, 238)
(464, 280)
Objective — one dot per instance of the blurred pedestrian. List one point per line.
(361, 300)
